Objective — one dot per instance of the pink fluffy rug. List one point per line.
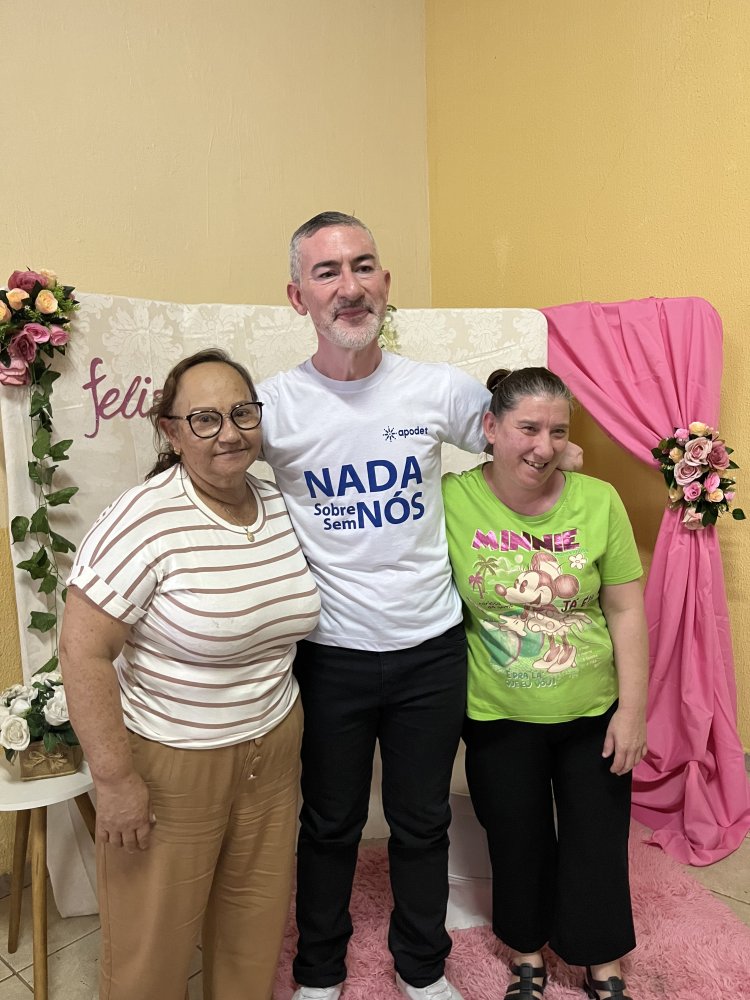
(690, 945)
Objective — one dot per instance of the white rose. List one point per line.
(50, 679)
(17, 691)
(14, 733)
(19, 706)
(56, 709)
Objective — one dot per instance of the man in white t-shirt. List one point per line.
(354, 437)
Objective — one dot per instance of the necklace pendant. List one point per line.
(250, 535)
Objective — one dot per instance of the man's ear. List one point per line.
(295, 298)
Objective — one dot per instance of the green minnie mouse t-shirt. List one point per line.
(539, 649)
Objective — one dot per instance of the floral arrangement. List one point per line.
(695, 462)
(388, 334)
(35, 312)
(35, 712)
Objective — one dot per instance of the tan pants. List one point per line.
(220, 863)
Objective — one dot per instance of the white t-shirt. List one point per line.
(359, 466)
(214, 617)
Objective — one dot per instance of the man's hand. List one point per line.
(123, 813)
(572, 458)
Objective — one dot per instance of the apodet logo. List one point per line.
(391, 433)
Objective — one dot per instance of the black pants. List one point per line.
(412, 701)
(569, 886)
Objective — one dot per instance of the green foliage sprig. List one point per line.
(35, 313)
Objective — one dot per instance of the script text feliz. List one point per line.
(133, 401)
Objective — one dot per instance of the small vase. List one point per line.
(36, 762)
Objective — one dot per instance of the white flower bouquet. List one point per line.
(35, 712)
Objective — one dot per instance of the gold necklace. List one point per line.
(232, 517)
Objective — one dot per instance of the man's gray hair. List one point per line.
(324, 220)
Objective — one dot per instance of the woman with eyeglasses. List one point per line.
(185, 603)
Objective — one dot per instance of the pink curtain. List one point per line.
(642, 368)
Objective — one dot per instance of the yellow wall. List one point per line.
(590, 150)
(170, 150)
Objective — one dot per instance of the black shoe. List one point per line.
(614, 985)
(525, 988)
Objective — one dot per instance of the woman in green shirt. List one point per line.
(548, 571)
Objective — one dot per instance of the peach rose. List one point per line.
(716, 496)
(46, 302)
(50, 277)
(699, 428)
(17, 298)
(675, 494)
(676, 454)
(5, 312)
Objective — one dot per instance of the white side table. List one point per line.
(29, 800)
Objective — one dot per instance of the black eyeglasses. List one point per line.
(208, 423)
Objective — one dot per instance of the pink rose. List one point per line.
(38, 332)
(17, 298)
(16, 373)
(685, 473)
(711, 482)
(26, 280)
(23, 346)
(45, 302)
(718, 457)
(692, 519)
(58, 336)
(697, 451)
(692, 491)
(681, 435)
(729, 496)
(5, 312)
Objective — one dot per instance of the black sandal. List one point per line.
(524, 988)
(614, 985)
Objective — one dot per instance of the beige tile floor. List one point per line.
(73, 943)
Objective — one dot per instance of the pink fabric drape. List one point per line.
(642, 368)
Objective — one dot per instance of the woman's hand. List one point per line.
(622, 604)
(124, 817)
(626, 739)
(90, 642)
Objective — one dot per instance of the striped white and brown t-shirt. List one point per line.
(214, 617)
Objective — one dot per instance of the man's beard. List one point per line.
(354, 338)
